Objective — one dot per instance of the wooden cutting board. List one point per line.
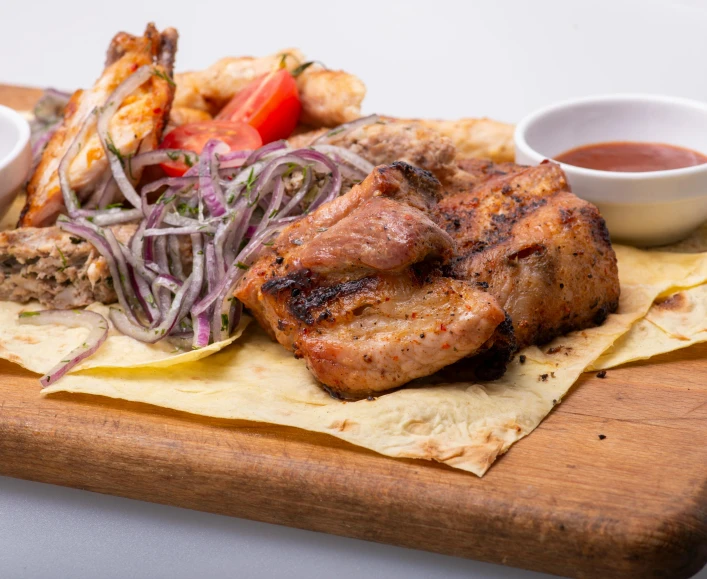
(612, 484)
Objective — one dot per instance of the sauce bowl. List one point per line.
(645, 209)
(15, 155)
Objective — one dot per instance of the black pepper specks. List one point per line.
(522, 358)
(602, 436)
(601, 374)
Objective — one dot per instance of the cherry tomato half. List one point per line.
(269, 103)
(193, 136)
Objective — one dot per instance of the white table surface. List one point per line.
(418, 58)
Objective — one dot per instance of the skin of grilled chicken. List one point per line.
(136, 127)
(542, 252)
(354, 288)
(328, 97)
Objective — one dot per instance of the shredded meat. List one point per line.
(49, 265)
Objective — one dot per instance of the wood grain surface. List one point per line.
(632, 503)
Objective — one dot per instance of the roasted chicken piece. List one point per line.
(137, 126)
(542, 252)
(354, 288)
(329, 97)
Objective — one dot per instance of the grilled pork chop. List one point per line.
(542, 252)
(354, 288)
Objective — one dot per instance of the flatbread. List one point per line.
(39, 348)
(464, 425)
(672, 323)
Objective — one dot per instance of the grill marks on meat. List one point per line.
(361, 298)
(543, 253)
(137, 126)
(49, 265)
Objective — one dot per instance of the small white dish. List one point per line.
(645, 209)
(15, 155)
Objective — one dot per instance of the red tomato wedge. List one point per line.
(193, 136)
(269, 103)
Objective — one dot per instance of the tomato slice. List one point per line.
(269, 103)
(193, 136)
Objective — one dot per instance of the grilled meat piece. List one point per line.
(385, 142)
(354, 288)
(137, 126)
(542, 252)
(49, 265)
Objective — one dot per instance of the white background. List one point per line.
(429, 58)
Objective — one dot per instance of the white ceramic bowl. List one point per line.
(15, 155)
(651, 208)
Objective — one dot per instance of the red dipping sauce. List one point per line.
(631, 157)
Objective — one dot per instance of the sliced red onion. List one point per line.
(264, 151)
(209, 186)
(123, 90)
(71, 201)
(112, 216)
(362, 166)
(98, 332)
(346, 128)
(230, 204)
(138, 162)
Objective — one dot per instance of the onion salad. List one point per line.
(197, 234)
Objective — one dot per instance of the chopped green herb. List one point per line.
(28, 314)
(164, 76)
(251, 181)
(241, 265)
(187, 160)
(335, 131)
(150, 299)
(224, 322)
(114, 205)
(274, 212)
(301, 68)
(231, 198)
(110, 145)
(65, 263)
(173, 155)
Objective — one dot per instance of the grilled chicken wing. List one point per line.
(137, 126)
(329, 97)
(353, 288)
(543, 253)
